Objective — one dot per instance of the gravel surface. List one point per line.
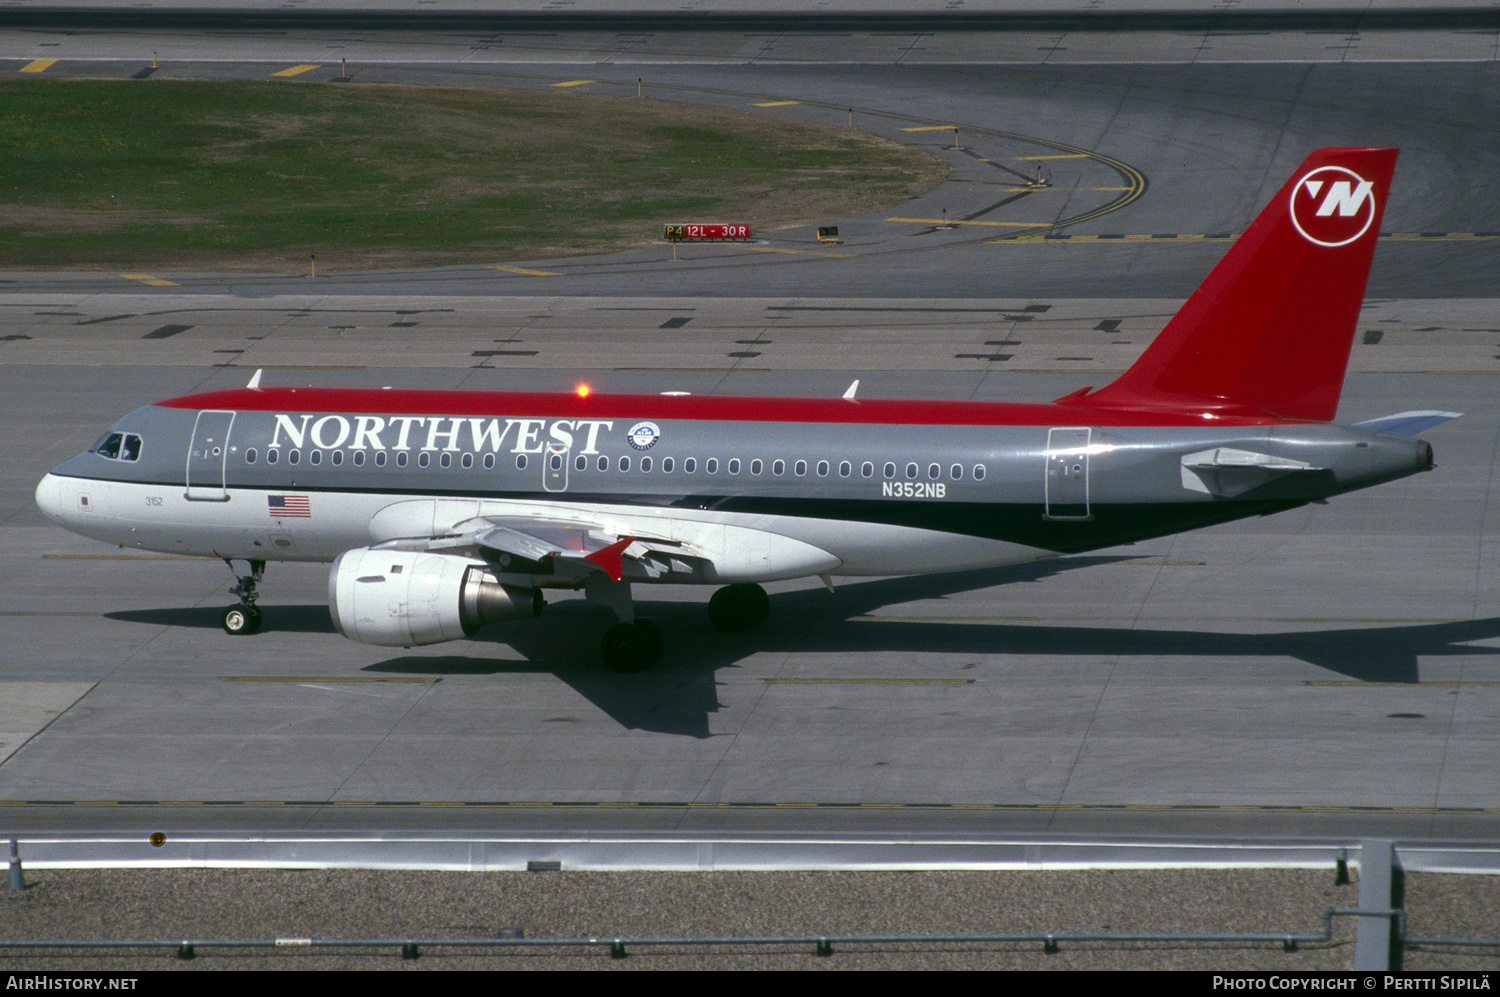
(227, 904)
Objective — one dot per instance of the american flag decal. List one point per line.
(285, 506)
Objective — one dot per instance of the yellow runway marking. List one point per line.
(529, 273)
(1069, 155)
(955, 221)
(808, 252)
(575, 83)
(778, 103)
(296, 70)
(931, 128)
(146, 278)
(38, 65)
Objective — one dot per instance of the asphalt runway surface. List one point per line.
(1327, 671)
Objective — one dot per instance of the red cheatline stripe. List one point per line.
(724, 408)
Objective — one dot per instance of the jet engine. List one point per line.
(399, 598)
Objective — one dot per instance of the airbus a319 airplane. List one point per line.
(443, 511)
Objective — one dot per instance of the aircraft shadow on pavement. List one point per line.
(679, 693)
(310, 618)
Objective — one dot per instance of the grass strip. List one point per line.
(252, 175)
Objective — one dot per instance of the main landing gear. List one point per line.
(635, 644)
(244, 617)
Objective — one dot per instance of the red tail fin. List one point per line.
(1269, 331)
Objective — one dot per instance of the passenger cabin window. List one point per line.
(250, 456)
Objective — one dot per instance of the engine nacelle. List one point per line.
(400, 598)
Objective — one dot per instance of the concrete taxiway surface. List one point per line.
(1328, 671)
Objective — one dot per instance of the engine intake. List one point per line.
(398, 598)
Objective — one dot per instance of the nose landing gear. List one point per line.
(244, 617)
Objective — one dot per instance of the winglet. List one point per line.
(609, 558)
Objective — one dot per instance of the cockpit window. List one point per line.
(119, 446)
(109, 445)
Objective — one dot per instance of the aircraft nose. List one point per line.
(49, 498)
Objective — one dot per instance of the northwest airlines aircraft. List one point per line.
(446, 510)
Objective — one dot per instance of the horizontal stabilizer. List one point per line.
(1227, 472)
(1408, 423)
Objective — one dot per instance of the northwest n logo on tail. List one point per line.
(1333, 206)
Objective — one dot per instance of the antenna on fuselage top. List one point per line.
(255, 378)
(849, 395)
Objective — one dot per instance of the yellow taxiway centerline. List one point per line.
(528, 273)
(955, 221)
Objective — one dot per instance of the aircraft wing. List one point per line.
(644, 545)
